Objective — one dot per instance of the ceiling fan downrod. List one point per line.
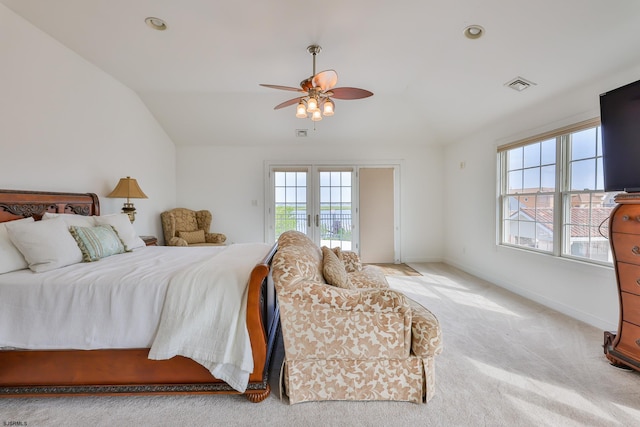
(314, 49)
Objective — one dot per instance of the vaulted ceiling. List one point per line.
(432, 85)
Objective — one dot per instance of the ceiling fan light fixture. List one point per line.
(312, 105)
(316, 116)
(301, 110)
(317, 91)
(328, 107)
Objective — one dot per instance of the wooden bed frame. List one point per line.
(26, 373)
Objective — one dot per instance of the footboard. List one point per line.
(263, 315)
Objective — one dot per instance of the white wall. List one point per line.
(578, 289)
(226, 179)
(65, 125)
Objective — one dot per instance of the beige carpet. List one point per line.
(506, 362)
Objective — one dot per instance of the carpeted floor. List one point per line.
(398, 270)
(506, 362)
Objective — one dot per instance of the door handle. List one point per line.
(309, 221)
(317, 220)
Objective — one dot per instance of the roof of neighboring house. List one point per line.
(580, 223)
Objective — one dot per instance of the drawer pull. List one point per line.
(638, 342)
(625, 218)
(638, 282)
(635, 250)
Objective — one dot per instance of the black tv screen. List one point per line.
(620, 126)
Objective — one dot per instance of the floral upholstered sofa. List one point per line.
(347, 335)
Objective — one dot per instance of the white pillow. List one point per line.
(72, 219)
(125, 230)
(10, 257)
(46, 245)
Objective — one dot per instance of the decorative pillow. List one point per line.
(10, 257)
(333, 270)
(97, 242)
(72, 219)
(125, 230)
(192, 237)
(351, 261)
(45, 245)
(338, 251)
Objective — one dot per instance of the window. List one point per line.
(551, 194)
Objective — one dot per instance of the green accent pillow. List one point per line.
(97, 242)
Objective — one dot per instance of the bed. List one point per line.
(113, 369)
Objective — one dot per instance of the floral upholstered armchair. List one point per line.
(185, 227)
(347, 335)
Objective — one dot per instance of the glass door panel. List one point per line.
(335, 222)
(290, 202)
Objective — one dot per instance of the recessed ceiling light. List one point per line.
(156, 23)
(473, 32)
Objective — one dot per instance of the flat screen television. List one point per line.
(620, 126)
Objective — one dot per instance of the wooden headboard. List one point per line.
(16, 204)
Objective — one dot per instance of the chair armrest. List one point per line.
(214, 237)
(177, 241)
(426, 336)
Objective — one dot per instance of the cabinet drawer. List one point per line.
(630, 308)
(627, 247)
(629, 275)
(629, 340)
(626, 219)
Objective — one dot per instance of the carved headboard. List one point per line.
(16, 204)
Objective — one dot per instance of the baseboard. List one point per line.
(540, 299)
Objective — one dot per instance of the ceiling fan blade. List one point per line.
(325, 79)
(350, 93)
(287, 103)
(295, 89)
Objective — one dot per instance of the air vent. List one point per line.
(519, 84)
(301, 133)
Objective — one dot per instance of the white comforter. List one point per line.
(205, 312)
(116, 302)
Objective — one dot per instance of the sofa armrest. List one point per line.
(214, 237)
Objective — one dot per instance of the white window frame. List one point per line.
(561, 195)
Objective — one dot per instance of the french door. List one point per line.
(318, 201)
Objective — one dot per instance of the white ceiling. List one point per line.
(431, 84)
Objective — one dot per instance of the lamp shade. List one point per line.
(127, 188)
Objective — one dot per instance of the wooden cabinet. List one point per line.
(623, 348)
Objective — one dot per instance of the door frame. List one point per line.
(269, 232)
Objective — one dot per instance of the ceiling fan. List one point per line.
(317, 92)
